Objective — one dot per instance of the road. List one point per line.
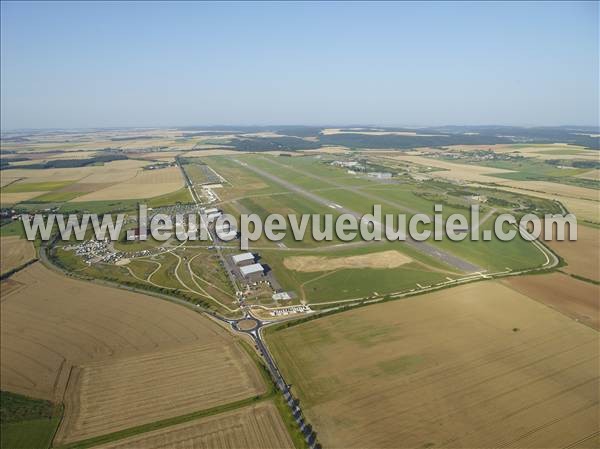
(255, 333)
(425, 248)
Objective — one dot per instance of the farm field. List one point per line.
(113, 171)
(107, 396)
(485, 174)
(145, 184)
(15, 252)
(577, 299)
(479, 365)
(581, 255)
(51, 323)
(581, 201)
(65, 184)
(592, 174)
(8, 199)
(257, 426)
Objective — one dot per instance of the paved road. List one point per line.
(256, 335)
(423, 247)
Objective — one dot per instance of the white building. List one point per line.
(347, 164)
(380, 175)
(243, 257)
(251, 269)
(283, 296)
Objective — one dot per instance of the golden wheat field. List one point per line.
(577, 299)
(8, 199)
(15, 252)
(145, 184)
(582, 255)
(51, 324)
(256, 426)
(107, 396)
(474, 366)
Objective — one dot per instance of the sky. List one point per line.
(116, 64)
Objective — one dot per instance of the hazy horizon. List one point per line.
(198, 127)
(158, 65)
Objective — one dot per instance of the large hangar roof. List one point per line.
(251, 269)
(242, 257)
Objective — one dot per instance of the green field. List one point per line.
(99, 207)
(241, 182)
(12, 228)
(494, 255)
(55, 197)
(27, 423)
(181, 196)
(532, 169)
(35, 186)
(330, 285)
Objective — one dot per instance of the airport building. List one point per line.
(281, 296)
(248, 270)
(380, 175)
(243, 258)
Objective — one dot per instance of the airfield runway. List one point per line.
(425, 248)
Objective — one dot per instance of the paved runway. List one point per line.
(423, 247)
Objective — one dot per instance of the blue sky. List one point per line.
(98, 64)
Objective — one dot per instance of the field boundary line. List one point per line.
(9, 273)
(168, 422)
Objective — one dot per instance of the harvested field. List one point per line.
(560, 190)
(581, 255)
(211, 152)
(576, 299)
(583, 209)
(109, 172)
(481, 174)
(454, 171)
(107, 396)
(313, 264)
(15, 252)
(52, 323)
(13, 198)
(146, 184)
(257, 426)
(479, 365)
(581, 201)
(328, 150)
(6, 180)
(592, 174)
